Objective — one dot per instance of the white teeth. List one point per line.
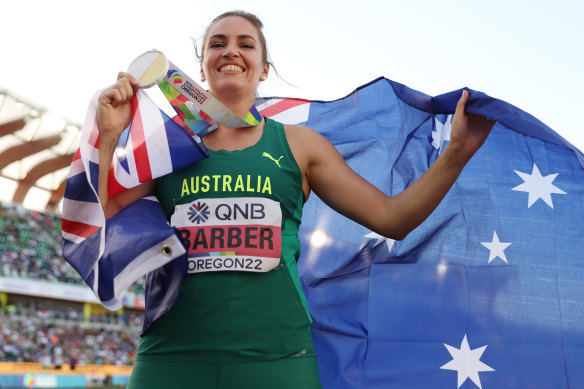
(231, 68)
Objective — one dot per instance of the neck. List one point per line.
(238, 104)
(233, 138)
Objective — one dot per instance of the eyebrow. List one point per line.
(222, 36)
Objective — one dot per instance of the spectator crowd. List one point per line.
(30, 247)
(29, 334)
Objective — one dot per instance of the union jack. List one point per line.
(112, 254)
(106, 263)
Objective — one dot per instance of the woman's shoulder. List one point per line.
(307, 145)
(304, 136)
(296, 134)
(299, 131)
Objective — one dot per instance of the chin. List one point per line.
(230, 86)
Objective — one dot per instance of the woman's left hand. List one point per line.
(469, 131)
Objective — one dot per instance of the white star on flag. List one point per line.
(466, 362)
(380, 240)
(496, 248)
(442, 133)
(538, 187)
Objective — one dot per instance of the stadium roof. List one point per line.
(36, 148)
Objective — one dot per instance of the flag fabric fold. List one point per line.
(111, 254)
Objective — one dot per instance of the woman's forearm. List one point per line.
(412, 206)
(107, 147)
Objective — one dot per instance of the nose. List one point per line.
(230, 50)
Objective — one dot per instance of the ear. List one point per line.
(265, 70)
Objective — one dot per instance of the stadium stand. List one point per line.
(30, 247)
(41, 334)
(53, 338)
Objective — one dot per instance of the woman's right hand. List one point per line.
(114, 112)
(114, 108)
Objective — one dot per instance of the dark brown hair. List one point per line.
(253, 19)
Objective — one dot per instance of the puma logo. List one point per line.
(277, 161)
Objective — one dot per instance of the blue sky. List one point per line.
(529, 53)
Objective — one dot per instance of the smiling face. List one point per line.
(233, 58)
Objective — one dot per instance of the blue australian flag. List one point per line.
(488, 292)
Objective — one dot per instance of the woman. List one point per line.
(250, 327)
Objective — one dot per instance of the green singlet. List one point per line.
(240, 320)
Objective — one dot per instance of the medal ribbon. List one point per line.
(199, 111)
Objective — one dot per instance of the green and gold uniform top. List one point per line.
(238, 214)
